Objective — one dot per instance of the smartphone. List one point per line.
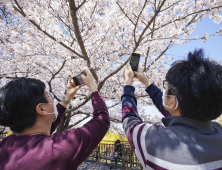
(134, 61)
(78, 80)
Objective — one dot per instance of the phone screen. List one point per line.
(78, 80)
(134, 61)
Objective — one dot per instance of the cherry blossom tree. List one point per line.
(52, 40)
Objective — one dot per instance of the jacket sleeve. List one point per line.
(61, 109)
(135, 129)
(156, 95)
(130, 118)
(77, 144)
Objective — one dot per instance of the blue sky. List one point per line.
(213, 47)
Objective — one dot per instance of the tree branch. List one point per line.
(170, 6)
(78, 106)
(114, 105)
(110, 75)
(70, 126)
(93, 10)
(125, 13)
(182, 18)
(149, 23)
(169, 45)
(138, 17)
(81, 5)
(73, 10)
(53, 76)
(19, 9)
(146, 59)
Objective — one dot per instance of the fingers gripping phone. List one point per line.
(78, 80)
(134, 61)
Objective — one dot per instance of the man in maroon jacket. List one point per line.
(32, 115)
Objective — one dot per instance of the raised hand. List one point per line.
(128, 75)
(88, 80)
(71, 89)
(142, 77)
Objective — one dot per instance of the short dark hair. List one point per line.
(18, 101)
(197, 84)
(117, 141)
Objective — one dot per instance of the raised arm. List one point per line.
(130, 117)
(154, 92)
(71, 90)
(156, 95)
(88, 137)
(132, 123)
(78, 143)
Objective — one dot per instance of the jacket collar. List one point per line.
(203, 127)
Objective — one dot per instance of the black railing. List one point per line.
(102, 154)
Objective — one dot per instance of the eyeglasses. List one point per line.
(51, 95)
(165, 84)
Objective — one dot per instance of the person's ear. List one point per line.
(40, 110)
(173, 103)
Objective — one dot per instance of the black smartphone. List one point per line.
(134, 61)
(78, 80)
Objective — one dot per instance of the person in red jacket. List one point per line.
(32, 115)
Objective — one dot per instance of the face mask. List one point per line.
(163, 100)
(55, 109)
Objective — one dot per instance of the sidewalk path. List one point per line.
(92, 165)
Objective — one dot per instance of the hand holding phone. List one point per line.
(142, 77)
(134, 61)
(85, 78)
(128, 75)
(78, 79)
(71, 90)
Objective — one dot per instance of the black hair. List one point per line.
(18, 101)
(197, 84)
(117, 141)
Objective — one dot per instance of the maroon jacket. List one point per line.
(60, 151)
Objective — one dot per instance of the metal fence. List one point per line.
(129, 160)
